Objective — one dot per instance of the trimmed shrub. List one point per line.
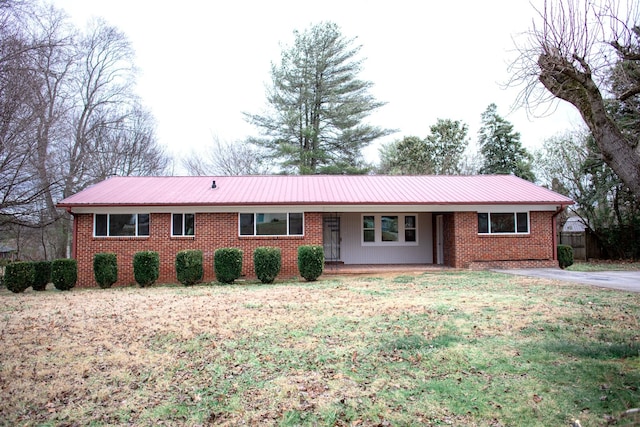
(64, 273)
(565, 256)
(227, 264)
(105, 269)
(189, 269)
(146, 267)
(42, 275)
(18, 276)
(267, 262)
(310, 261)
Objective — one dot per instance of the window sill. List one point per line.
(120, 237)
(387, 244)
(271, 237)
(504, 234)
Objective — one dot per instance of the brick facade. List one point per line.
(212, 231)
(465, 248)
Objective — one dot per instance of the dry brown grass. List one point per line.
(262, 354)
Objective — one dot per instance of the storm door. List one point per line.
(331, 237)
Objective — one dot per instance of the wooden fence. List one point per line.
(585, 244)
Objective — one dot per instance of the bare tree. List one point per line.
(68, 117)
(127, 147)
(104, 83)
(225, 158)
(571, 51)
(19, 126)
(51, 64)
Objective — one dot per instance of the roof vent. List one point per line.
(213, 184)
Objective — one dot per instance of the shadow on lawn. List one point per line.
(598, 351)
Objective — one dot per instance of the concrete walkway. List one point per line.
(622, 280)
(340, 269)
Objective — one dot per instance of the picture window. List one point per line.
(121, 225)
(503, 223)
(271, 224)
(389, 229)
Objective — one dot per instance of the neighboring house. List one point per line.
(8, 252)
(458, 221)
(574, 224)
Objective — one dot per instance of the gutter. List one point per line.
(74, 234)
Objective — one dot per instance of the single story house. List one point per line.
(458, 221)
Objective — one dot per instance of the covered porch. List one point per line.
(356, 241)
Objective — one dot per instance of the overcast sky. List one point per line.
(203, 63)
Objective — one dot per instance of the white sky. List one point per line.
(203, 63)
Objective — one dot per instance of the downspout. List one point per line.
(554, 227)
(74, 237)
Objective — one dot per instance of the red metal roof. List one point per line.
(314, 190)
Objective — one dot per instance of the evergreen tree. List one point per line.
(501, 147)
(407, 156)
(440, 153)
(317, 105)
(445, 145)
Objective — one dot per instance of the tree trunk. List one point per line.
(566, 82)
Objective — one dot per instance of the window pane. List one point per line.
(368, 221)
(409, 235)
(271, 224)
(523, 222)
(177, 225)
(389, 228)
(369, 236)
(189, 224)
(295, 224)
(483, 223)
(409, 221)
(246, 224)
(101, 224)
(503, 223)
(122, 225)
(143, 224)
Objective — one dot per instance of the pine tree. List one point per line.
(501, 147)
(317, 105)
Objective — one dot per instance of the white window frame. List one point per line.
(377, 227)
(255, 224)
(136, 226)
(182, 233)
(507, 233)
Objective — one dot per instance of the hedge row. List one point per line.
(227, 264)
(63, 273)
(19, 276)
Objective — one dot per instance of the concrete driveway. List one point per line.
(622, 280)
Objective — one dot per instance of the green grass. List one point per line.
(458, 348)
(604, 266)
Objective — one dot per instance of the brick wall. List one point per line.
(465, 248)
(213, 231)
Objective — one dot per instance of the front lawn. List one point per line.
(452, 348)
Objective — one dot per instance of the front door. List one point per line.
(331, 237)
